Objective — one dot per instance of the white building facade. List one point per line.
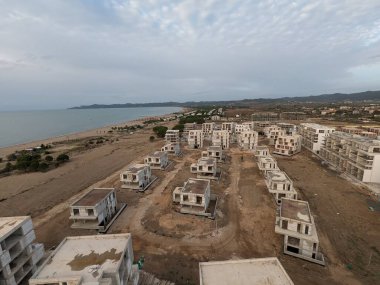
(288, 145)
(314, 135)
(136, 177)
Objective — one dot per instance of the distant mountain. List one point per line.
(325, 98)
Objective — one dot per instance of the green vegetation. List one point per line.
(199, 119)
(49, 158)
(62, 157)
(160, 131)
(179, 127)
(151, 138)
(126, 128)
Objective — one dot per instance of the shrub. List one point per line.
(62, 157)
(43, 166)
(12, 157)
(179, 127)
(34, 165)
(1, 159)
(160, 131)
(49, 158)
(151, 138)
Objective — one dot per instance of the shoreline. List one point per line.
(4, 151)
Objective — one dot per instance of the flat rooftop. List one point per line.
(214, 148)
(206, 160)
(157, 153)
(266, 159)
(317, 126)
(9, 224)
(278, 175)
(84, 256)
(134, 168)
(258, 271)
(196, 186)
(295, 210)
(93, 197)
(261, 147)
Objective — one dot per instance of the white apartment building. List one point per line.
(194, 197)
(295, 222)
(136, 177)
(215, 152)
(274, 134)
(267, 129)
(195, 139)
(244, 127)
(357, 156)
(256, 271)
(205, 168)
(262, 150)
(157, 160)
(172, 148)
(19, 256)
(94, 210)
(288, 145)
(267, 163)
(290, 129)
(259, 126)
(221, 138)
(314, 135)
(248, 140)
(280, 185)
(207, 129)
(172, 136)
(90, 260)
(229, 126)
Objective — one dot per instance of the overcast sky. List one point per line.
(56, 54)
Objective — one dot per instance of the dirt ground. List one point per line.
(173, 244)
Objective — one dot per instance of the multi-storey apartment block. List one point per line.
(221, 138)
(90, 260)
(194, 197)
(314, 135)
(195, 139)
(262, 150)
(357, 156)
(274, 134)
(207, 129)
(205, 168)
(243, 127)
(19, 256)
(256, 271)
(157, 160)
(248, 140)
(94, 210)
(280, 185)
(290, 129)
(295, 222)
(267, 163)
(288, 145)
(137, 177)
(265, 116)
(172, 148)
(229, 126)
(172, 136)
(215, 152)
(260, 126)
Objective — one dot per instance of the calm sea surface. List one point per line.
(25, 126)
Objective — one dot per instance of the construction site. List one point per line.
(172, 244)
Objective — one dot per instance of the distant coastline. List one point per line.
(42, 136)
(324, 98)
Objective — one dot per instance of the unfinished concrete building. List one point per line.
(267, 163)
(256, 271)
(314, 135)
(136, 177)
(90, 260)
(221, 138)
(260, 126)
(215, 152)
(94, 210)
(243, 127)
(195, 139)
(205, 168)
(229, 126)
(19, 256)
(274, 133)
(293, 116)
(288, 145)
(207, 129)
(290, 129)
(172, 136)
(262, 150)
(357, 156)
(280, 185)
(248, 140)
(195, 197)
(295, 222)
(265, 116)
(157, 160)
(172, 148)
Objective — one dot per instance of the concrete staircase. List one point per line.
(146, 278)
